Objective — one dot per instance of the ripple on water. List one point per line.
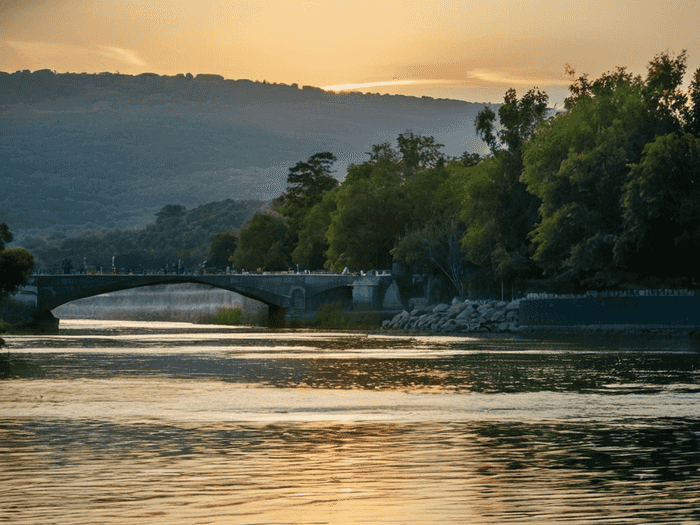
(153, 423)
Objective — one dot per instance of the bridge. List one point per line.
(287, 295)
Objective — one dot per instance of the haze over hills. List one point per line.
(94, 151)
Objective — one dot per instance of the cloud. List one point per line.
(37, 49)
(127, 56)
(344, 87)
(516, 78)
(43, 50)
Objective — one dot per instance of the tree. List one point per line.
(380, 200)
(498, 211)
(16, 264)
(170, 211)
(222, 247)
(579, 162)
(263, 243)
(692, 117)
(5, 235)
(312, 244)
(661, 203)
(419, 152)
(307, 182)
(438, 243)
(518, 121)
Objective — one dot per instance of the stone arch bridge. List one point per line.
(288, 296)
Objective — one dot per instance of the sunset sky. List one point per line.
(469, 50)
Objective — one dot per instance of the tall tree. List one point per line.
(263, 244)
(579, 163)
(307, 182)
(16, 264)
(380, 200)
(499, 212)
(661, 203)
(223, 246)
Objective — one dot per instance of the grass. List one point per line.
(335, 315)
(236, 317)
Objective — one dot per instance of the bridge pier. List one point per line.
(44, 321)
(276, 316)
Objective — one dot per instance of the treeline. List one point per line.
(603, 195)
(179, 238)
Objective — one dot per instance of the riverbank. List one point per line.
(668, 316)
(460, 317)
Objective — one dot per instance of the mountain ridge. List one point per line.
(90, 151)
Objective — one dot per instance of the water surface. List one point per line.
(125, 422)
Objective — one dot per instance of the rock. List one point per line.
(496, 315)
(483, 308)
(513, 305)
(464, 314)
(442, 307)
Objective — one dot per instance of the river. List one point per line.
(174, 423)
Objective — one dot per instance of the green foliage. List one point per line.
(330, 315)
(661, 202)
(381, 199)
(418, 152)
(172, 238)
(255, 317)
(16, 264)
(222, 247)
(578, 164)
(692, 116)
(335, 315)
(498, 211)
(5, 235)
(226, 316)
(431, 241)
(312, 243)
(263, 244)
(307, 182)
(518, 120)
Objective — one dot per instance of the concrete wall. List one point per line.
(666, 310)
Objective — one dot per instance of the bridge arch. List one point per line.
(282, 293)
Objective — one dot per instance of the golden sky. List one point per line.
(469, 50)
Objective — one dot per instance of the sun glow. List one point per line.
(345, 87)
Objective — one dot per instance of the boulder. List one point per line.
(513, 305)
(442, 307)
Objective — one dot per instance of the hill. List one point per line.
(95, 151)
(178, 237)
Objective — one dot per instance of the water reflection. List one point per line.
(410, 473)
(155, 423)
(604, 372)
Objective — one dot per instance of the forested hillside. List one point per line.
(95, 151)
(177, 236)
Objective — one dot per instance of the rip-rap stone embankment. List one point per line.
(460, 317)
